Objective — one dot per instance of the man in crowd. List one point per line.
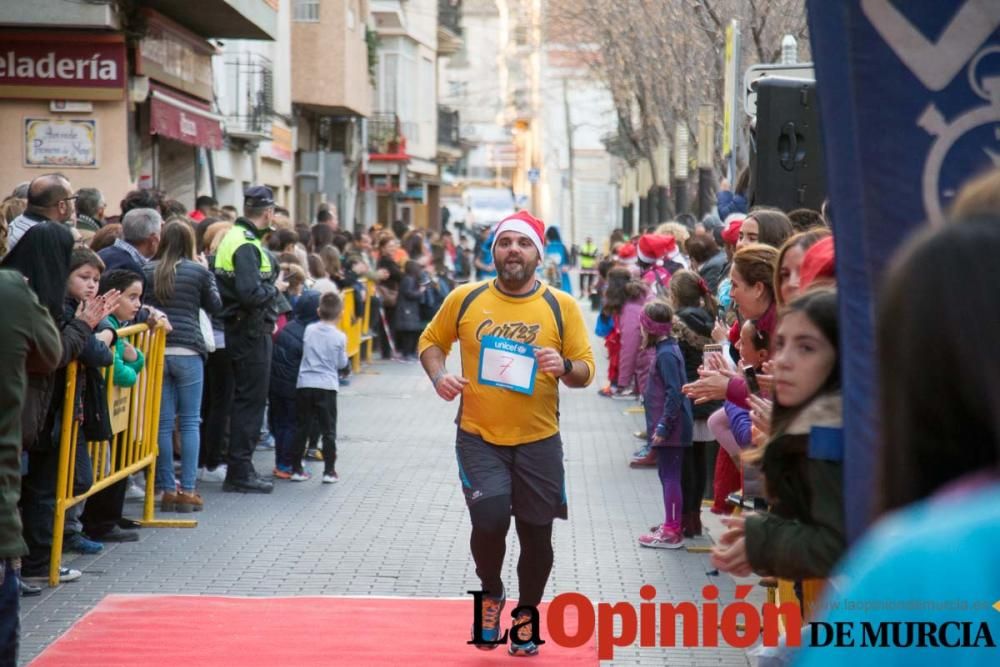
(204, 207)
(29, 340)
(509, 450)
(50, 197)
(327, 217)
(249, 285)
(141, 229)
(90, 207)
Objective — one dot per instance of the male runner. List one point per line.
(508, 445)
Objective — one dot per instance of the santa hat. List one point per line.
(654, 247)
(731, 234)
(817, 263)
(524, 223)
(627, 253)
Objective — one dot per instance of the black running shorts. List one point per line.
(531, 474)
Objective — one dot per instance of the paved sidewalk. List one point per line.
(397, 525)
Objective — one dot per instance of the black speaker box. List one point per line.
(787, 169)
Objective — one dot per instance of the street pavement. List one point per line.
(396, 524)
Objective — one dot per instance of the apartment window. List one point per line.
(350, 18)
(306, 11)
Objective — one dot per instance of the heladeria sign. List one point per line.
(68, 66)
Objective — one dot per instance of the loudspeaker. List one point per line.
(787, 168)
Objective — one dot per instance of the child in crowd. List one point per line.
(803, 461)
(285, 363)
(668, 420)
(324, 353)
(129, 361)
(85, 269)
(695, 309)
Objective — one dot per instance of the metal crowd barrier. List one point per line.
(135, 423)
(358, 329)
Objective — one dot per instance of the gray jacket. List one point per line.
(194, 288)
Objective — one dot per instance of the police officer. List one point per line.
(588, 262)
(248, 278)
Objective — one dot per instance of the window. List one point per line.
(350, 17)
(306, 11)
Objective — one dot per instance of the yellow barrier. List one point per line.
(135, 418)
(356, 328)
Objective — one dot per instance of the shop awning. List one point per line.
(184, 119)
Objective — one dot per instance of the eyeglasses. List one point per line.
(72, 198)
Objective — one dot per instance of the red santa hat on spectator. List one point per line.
(654, 247)
(523, 223)
(627, 253)
(731, 234)
(818, 263)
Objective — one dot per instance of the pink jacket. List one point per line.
(633, 362)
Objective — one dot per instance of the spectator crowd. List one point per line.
(724, 329)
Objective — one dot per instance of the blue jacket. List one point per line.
(287, 355)
(668, 411)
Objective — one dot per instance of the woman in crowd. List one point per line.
(939, 465)
(765, 225)
(753, 294)
(802, 534)
(43, 258)
(179, 283)
(388, 287)
(557, 258)
(624, 298)
(407, 322)
(787, 279)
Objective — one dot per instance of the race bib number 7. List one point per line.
(507, 364)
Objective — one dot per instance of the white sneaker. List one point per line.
(300, 476)
(65, 575)
(332, 478)
(133, 492)
(217, 475)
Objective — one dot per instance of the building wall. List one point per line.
(112, 173)
(330, 57)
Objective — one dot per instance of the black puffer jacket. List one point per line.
(194, 288)
(287, 355)
(693, 330)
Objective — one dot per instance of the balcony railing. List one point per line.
(250, 93)
(450, 15)
(386, 138)
(448, 134)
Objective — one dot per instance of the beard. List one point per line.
(515, 274)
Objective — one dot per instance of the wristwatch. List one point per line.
(567, 367)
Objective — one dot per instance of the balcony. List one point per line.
(234, 19)
(449, 30)
(249, 99)
(449, 138)
(386, 138)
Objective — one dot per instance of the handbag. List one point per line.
(387, 295)
(207, 334)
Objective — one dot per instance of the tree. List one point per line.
(662, 59)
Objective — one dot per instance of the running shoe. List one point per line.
(331, 478)
(282, 472)
(521, 645)
(82, 545)
(662, 538)
(491, 622)
(624, 395)
(607, 391)
(300, 476)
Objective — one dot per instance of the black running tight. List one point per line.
(490, 523)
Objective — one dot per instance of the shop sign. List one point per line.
(68, 66)
(171, 54)
(50, 142)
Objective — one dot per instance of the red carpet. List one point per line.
(176, 630)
